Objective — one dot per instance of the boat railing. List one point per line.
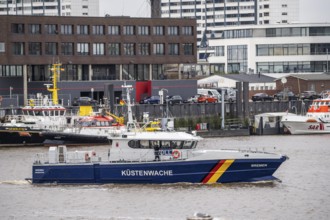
(41, 158)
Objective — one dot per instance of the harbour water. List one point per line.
(303, 193)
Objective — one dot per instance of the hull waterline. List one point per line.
(208, 171)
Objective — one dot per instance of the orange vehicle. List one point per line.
(206, 99)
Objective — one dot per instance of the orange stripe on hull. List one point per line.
(217, 171)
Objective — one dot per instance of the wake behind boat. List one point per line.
(316, 121)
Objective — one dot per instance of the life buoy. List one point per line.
(176, 154)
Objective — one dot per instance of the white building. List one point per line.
(284, 48)
(50, 7)
(278, 11)
(216, 14)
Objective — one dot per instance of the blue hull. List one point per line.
(208, 171)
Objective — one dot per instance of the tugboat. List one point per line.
(41, 114)
(136, 157)
(316, 121)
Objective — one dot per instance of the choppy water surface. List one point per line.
(304, 192)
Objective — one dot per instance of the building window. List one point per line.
(66, 29)
(98, 49)
(144, 49)
(34, 48)
(98, 29)
(220, 51)
(50, 48)
(82, 48)
(2, 47)
(18, 48)
(129, 49)
(266, 14)
(158, 30)
(34, 29)
(82, 29)
(284, 13)
(187, 30)
(143, 30)
(128, 30)
(51, 29)
(173, 30)
(11, 70)
(114, 49)
(114, 30)
(266, 6)
(237, 58)
(173, 49)
(66, 48)
(159, 49)
(17, 28)
(188, 49)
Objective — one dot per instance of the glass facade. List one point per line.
(292, 67)
(237, 58)
(292, 49)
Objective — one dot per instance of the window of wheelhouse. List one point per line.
(146, 144)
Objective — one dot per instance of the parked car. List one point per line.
(84, 100)
(151, 100)
(261, 97)
(285, 96)
(310, 95)
(210, 92)
(206, 99)
(192, 99)
(174, 99)
(230, 93)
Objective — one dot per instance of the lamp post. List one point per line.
(327, 61)
(92, 93)
(10, 90)
(161, 97)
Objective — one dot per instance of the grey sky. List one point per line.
(133, 8)
(312, 11)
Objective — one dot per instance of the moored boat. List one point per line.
(93, 129)
(316, 121)
(41, 114)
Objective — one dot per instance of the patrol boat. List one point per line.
(153, 157)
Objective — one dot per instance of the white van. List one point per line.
(210, 92)
(230, 93)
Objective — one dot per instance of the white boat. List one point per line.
(316, 120)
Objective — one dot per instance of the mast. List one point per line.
(130, 121)
(56, 69)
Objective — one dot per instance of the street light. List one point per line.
(161, 97)
(92, 92)
(10, 90)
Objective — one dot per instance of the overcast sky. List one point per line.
(310, 10)
(133, 8)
